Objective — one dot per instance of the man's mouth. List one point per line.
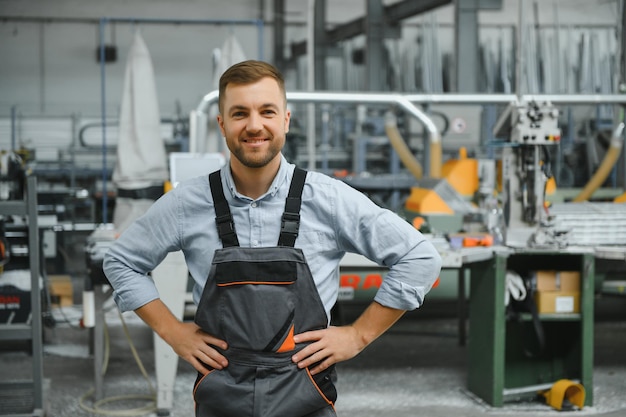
(254, 140)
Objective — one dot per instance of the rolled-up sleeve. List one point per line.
(387, 239)
(409, 280)
(138, 250)
(132, 289)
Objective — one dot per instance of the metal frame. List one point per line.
(34, 330)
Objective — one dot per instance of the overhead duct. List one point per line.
(603, 171)
(400, 146)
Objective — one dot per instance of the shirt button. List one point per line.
(253, 204)
(255, 243)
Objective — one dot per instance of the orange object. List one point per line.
(565, 389)
(551, 186)
(484, 240)
(418, 222)
(436, 283)
(462, 173)
(424, 200)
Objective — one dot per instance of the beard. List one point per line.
(256, 158)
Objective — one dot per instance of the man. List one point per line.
(263, 240)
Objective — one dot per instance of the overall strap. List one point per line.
(223, 217)
(291, 217)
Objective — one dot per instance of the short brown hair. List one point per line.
(248, 72)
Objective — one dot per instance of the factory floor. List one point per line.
(417, 368)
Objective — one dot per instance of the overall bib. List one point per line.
(256, 299)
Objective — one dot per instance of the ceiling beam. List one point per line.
(393, 14)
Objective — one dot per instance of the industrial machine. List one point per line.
(532, 130)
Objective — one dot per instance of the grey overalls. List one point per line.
(256, 299)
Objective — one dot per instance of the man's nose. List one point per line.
(255, 123)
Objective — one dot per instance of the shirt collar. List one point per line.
(279, 179)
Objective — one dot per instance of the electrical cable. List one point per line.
(97, 406)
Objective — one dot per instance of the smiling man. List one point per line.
(263, 240)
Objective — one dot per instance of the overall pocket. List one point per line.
(257, 301)
(289, 391)
(220, 394)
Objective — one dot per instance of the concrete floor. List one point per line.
(416, 369)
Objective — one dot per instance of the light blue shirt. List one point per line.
(335, 219)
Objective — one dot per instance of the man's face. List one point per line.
(254, 121)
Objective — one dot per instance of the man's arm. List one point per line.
(337, 344)
(186, 338)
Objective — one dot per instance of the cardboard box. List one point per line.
(557, 302)
(61, 290)
(568, 281)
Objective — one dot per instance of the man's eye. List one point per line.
(238, 114)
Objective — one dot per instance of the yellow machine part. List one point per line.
(462, 173)
(426, 201)
(550, 186)
(565, 389)
(620, 198)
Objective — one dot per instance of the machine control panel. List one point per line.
(530, 123)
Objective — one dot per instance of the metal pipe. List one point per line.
(362, 98)
(13, 127)
(197, 130)
(372, 98)
(406, 102)
(603, 171)
(310, 110)
(510, 98)
(103, 116)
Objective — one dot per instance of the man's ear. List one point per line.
(287, 120)
(220, 123)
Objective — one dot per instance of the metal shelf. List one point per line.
(13, 391)
(15, 332)
(17, 208)
(552, 317)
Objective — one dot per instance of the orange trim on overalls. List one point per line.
(230, 284)
(289, 344)
(318, 389)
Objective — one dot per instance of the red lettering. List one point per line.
(372, 280)
(349, 280)
(9, 299)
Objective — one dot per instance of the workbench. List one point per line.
(503, 364)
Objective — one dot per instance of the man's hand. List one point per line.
(197, 347)
(328, 346)
(336, 344)
(186, 338)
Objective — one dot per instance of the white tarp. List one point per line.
(230, 54)
(141, 156)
